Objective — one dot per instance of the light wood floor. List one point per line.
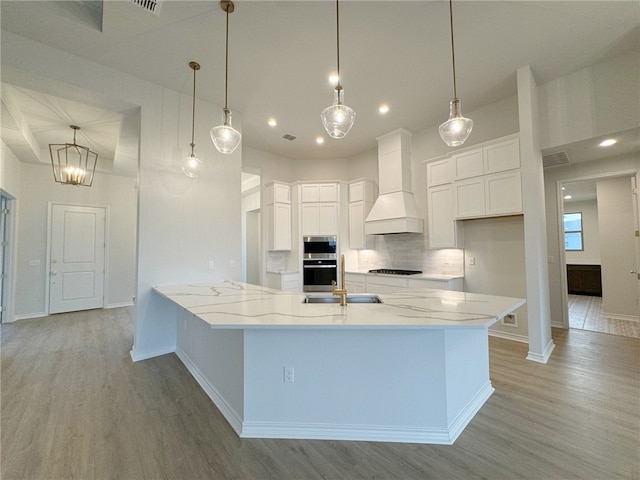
(74, 405)
(585, 313)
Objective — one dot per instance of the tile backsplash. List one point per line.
(408, 251)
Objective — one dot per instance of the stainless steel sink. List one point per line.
(351, 298)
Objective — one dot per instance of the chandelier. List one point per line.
(73, 164)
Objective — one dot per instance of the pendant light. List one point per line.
(338, 118)
(225, 137)
(191, 165)
(73, 164)
(456, 130)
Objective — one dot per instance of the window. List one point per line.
(573, 231)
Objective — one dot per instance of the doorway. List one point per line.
(76, 258)
(601, 254)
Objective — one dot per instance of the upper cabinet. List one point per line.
(361, 197)
(277, 199)
(319, 192)
(318, 210)
(479, 182)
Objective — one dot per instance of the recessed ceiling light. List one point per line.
(608, 142)
(568, 197)
(564, 188)
(333, 79)
(272, 122)
(384, 108)
(319, 140)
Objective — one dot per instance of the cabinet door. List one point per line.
(440, 212)
(328, 219)
(469, 198)
(328, 192)
(358, 211)
(309, 192)
(503, 192)
(502, 156)
(309, 219)
(281, 193)
(439, 173)
(279, 226)
(468, 164)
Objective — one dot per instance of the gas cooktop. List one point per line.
(395, 271)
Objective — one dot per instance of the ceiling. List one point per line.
(281, 53)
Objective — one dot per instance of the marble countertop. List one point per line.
(424, 276)
(239, 305)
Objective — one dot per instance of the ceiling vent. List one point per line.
(555, 159)
(152, 6)
(288, 136)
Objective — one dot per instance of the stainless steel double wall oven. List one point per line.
(319, 263)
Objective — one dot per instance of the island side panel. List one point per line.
(215, 358)
(361, 384)
(467, 376)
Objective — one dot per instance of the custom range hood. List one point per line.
(396, 209)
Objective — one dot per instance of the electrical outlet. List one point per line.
(232, 264)
(289, 375)
(212, 264)
(472, 260)
(510, 320)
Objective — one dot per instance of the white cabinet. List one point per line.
(361, 195)
(319, 208)
(443, 229)
(468, 164)
(285, 281)
(278, 216)
(439, 173)
(489, 195)
(501, 156)
(385, 284)
(319, 218)
(485, 181)
(318, 192)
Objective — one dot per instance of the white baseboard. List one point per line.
(615, 316)
(544, 358)
(509, 336)
(229, 413)
(138, 356)
(372, 433)
(119, 305)
(26, 316)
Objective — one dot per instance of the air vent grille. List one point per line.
(152, 6)
(288, 136)
(555, 159)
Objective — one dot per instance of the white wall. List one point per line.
(182, 223)
(615, 216)
(596, 100)
(497, 245)
(590, 255)
(9, 170)
(37, 189)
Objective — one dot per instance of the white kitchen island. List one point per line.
(412, 369)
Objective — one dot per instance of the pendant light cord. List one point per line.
(226, 64)
(453, 50)
(194, 66)
(338, 86)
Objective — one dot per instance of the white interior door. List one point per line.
(77, 258)
(4, 248)
(636, 219)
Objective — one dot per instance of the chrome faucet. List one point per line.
(341, 292)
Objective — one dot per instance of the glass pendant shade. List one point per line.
(225, 137)
(338, 118)
(455, 131)
(191, 166)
